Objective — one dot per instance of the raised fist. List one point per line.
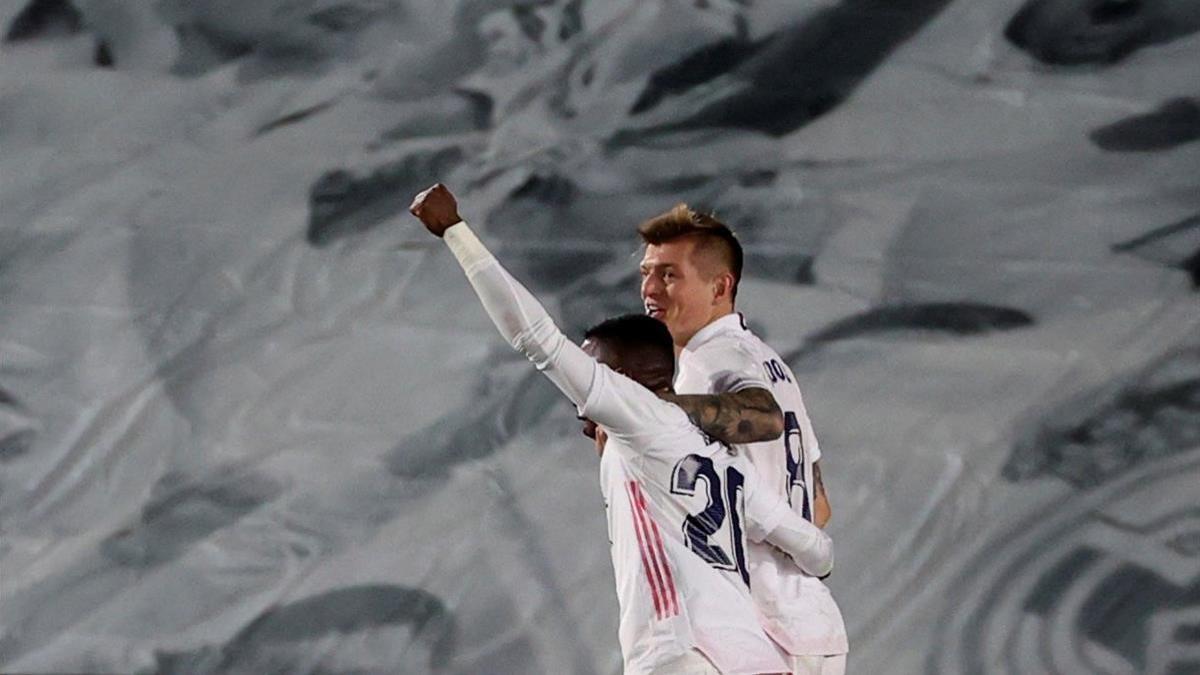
(436, 208)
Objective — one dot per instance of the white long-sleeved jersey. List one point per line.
(725, 356)
(680, 509)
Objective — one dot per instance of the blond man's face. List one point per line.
(674, 289)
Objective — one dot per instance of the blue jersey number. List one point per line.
(698, 529)
(793, 442)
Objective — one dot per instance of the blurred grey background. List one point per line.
(252, 419)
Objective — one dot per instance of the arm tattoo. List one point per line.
(818, 484)
(746, 416)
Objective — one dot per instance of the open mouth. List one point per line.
(656, 312)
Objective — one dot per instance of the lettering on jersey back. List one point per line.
(776, 372)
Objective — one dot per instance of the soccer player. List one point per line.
(690, 272)
(679, 507)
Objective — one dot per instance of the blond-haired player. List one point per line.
(690, 272)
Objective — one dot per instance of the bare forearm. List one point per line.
(746, 416)
(821, 509)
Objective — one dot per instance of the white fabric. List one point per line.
(690, 663)
(819, 665)
(808, 546)
(657, 471)
(798, 609)
(519, 317)
(670, 598)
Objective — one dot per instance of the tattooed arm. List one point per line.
(821, 508)
(746, 416)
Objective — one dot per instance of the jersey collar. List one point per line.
(729, 322)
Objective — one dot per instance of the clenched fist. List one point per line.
(436, 208)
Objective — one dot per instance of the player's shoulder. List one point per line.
(721, 343)
(672, 445)
(739, 344)
(719, 354)
(754, 349)
(732, 338)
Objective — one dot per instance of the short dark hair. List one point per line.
(632, 332)
(712, 236)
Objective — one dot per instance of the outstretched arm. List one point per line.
(605, 396)
(746, 416)
(518, 315)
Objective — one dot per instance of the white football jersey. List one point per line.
(681, 511)
(725, 356)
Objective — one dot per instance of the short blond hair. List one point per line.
(713, 238)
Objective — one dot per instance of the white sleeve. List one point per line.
(807, 544)
(607, 397)
(770, 519)
(628, 409)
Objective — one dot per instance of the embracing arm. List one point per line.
(822, 512)
(747, 416)
(770, 519)
(807, 544)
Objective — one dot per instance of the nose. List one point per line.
(651, 286)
